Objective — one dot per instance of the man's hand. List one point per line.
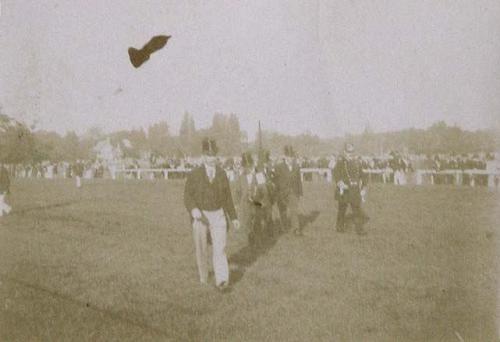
(236, 224)
(196, 213)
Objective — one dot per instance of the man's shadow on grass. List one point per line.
(248, 255)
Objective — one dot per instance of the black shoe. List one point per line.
(223, 287)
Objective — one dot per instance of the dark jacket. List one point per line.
(350, 171)
(200, 193)
(287, 182)
(78, 169)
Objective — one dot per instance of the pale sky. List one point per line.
(328, 67)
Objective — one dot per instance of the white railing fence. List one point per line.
(419, 177)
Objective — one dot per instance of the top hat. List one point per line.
(289, 152)
(209, 147)
(246, 159)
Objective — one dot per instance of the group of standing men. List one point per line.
(210, 201)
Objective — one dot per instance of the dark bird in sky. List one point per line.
(138, 57)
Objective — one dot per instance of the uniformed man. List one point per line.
(265, 167)
(207, 197)
(78, 170)
(288, 191)
(350, 189)
(4, 190)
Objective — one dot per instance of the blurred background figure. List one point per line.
(288, 191)
(4, 190)
(350, 191)
(78, 172)
(246, 189)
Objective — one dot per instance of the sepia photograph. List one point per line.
(250, 170)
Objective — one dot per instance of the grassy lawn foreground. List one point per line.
(115, 261)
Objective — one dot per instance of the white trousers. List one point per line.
(218, 233)
(4, 207)
(399, 178)
(78, 182)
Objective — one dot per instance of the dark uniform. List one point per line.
(350, 180)
(288, 192)
(269, 192)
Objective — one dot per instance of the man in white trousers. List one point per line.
(208, 199)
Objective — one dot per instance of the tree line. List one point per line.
(436, 139)
(20, 144)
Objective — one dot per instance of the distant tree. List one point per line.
(94, 133)
(159, 139)
(48, 146)
(188, 136)
(234, 136)
(16, 141)
(226, 130)
(72, 147)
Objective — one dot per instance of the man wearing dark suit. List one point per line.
(288, 191)
(350, 190)
(208, 199)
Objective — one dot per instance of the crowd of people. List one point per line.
(51, 170)
(245, 189)
(393, 167)
(212, 202)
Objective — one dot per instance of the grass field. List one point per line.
(115, 261)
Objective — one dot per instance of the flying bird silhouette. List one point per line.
(138, 57)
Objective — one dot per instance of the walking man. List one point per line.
(351, 189)
(252, 196)
(265, 168)
(288, 191)
(207, 197)
(245, 190)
